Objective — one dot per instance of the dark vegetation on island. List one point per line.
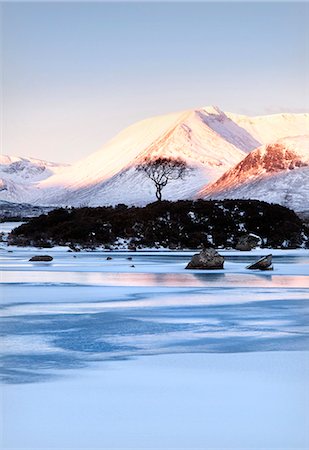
(175, 225)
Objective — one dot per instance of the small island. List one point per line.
(183, 224)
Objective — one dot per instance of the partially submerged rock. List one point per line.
(247, 242)
(264, 263)
(44, 258)
(208, 258)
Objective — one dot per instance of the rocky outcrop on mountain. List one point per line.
(276, 173)
(207, 259)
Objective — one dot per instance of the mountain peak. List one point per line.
(212, 110)
(210, 140)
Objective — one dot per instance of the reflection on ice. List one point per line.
(209, 278)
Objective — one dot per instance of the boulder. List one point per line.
(247, 242)
(73, 248)
(264, 263)
(44, 258)
(208, 258)
(173, 246)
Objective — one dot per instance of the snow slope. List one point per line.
(277, 173)
(270, 128)
(19, 174)
(18, 168)
(108, 176)
(210, 140)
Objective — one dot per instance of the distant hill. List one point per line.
(20, 175)
(10, 211)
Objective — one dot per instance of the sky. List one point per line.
(75, 74)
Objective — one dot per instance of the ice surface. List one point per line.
(97, 354)
(87, 307)
(193, 402)
(7, 227)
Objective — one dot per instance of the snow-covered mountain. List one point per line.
(210, 141)
(270, 128)
(18, 175)
(18, 168)
(109, 177)
(276, 173)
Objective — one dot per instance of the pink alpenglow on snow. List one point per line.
(210, 141)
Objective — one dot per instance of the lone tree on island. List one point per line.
(162, 170)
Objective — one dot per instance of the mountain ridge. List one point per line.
(210, 140)
(278, 171)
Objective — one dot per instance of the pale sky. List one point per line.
(75, 74)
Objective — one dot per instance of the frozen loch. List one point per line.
(97, 354)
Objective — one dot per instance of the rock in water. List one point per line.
(208, 258)
(264, 263)
(247, 242)
(45, 258)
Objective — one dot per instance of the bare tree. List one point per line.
(162, 170)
